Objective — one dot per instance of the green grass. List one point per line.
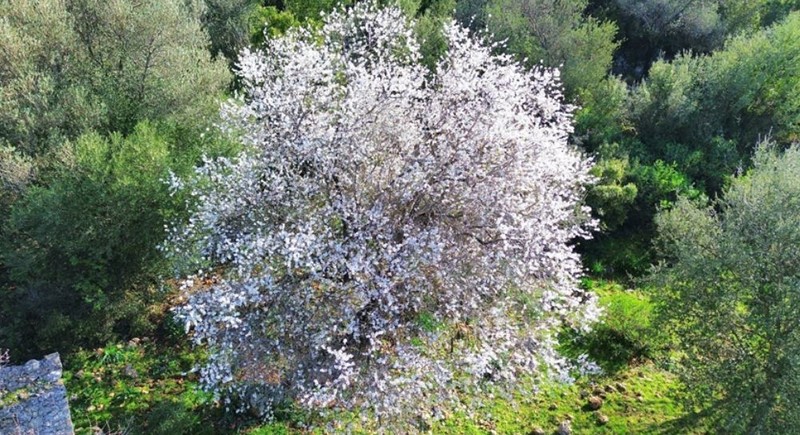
(136, 387)
(624, 337)
(647, 405)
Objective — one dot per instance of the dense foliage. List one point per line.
(82, 171)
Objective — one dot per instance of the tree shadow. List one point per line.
(686, 424)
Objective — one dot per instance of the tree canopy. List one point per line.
(730, 290)
(375, 201)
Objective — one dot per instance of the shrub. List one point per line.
(42, 99)
(80, 244)
(624, 334)
(611, 197)
(67, 67)
(558, 34)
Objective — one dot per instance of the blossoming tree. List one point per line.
(388, 234)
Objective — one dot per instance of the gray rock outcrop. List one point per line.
(33, 399)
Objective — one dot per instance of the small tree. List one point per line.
(384, 231)
(731, 294)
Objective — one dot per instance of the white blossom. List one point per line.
(373, 194)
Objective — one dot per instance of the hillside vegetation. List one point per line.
(411, 216)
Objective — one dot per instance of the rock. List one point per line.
(32, 365)
(584, 394)
(597, 391)
(552, 407)
(130, 372)
(602, 419)
(610, 389)
(537, 431)
(621, 388)
(595, 403)
(41, 406)
(565, 428)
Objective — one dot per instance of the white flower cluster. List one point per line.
(388, 232)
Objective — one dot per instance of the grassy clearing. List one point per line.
(635, 401)
(646, 403)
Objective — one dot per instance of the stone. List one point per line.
(595, 403)
(552, 407)
(537, 431)
(35, 398)
(32, 365)
(602, 419)
(610, 389)
(621, 388)
(130, 372)
(564, 428)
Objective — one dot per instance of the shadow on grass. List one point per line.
(692, 423)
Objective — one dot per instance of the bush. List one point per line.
(80, 245)
(706, 113)
(611, 197)
(68, 67)
(228, 24)
(147, 60)
(602, 119)
(558, 34)
(43, 98)
(624, 335)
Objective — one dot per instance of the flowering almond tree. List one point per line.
(389, 236)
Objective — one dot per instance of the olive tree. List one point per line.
(388, 235)
(41, 99)
(730, 291)
(558, 34)
(68, 66)
(148, 60)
